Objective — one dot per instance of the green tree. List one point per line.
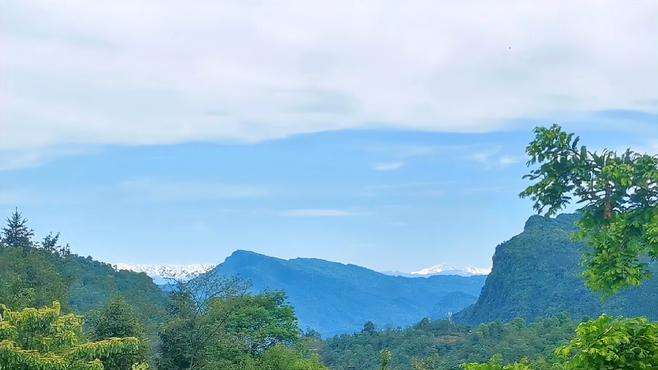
(228, 329)
(385, 359)
(281, 357)
(609, 343)
(36, 339)
(619, 222)
(16, 233)
(619, 197)
(369, 328)
(496, 364)
(116, 320)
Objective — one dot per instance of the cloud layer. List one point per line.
(157, 72)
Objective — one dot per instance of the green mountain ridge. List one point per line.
(83, 284)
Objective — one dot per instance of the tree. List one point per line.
(619, 222)
(50, 242)
(230, 330)
(609, 343)
(385, 357)
(246, 327)
(619, 198)
(35, 339)
(182, 342)
(116, 320)
(496, 364)
(369, 328)
(281, 357)
(17, 234)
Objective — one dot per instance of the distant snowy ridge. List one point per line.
(162, 274)
(442, 269)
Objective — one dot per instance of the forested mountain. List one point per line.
(445, 345)
(34, 274)
(538, 273)
(335, 298)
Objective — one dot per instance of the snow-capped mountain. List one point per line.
(163, 274)
(442, 269)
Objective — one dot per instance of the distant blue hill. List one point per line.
(334, 298)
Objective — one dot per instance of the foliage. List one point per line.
(619, 195)
(34, 339)
(496, 364)
(229, 329)
(609, 343)
(30, 279)
(34, 274)
(17, 234)
(446, 345)
(281, 357)
(117, 319)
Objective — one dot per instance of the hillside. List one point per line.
(335, 298)
(36, 277)
(537, 274)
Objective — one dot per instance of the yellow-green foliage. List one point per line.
(496, 364)
(610, 343)
(40, 339)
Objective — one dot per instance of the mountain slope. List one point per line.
(538, 273)
(336, 298)
(81, 284)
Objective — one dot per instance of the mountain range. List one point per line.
(164, 274)
(334, 298)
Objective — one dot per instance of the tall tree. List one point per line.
(619, 222)
(618, 194)
(17, 233)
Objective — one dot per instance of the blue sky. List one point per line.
(389, 200)
(386, 136)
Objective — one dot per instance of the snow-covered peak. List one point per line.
(162, 274)
(442, 269)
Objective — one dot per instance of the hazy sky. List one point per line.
(380, 133)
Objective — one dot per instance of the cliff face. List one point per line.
(538, 273)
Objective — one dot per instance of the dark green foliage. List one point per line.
(334, 298)
(445, 345)
(117, 319)
(16, 233)
(538, 273)
(619, 197)
(94, 284)
(30, 279)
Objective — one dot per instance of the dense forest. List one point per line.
(62, 311)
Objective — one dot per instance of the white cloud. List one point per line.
(316, 213)
(492, 157)
(181, 191)
(388, 166)
(157, 72)
(506, 160)
(19, 159)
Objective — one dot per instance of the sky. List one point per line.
(383, 135)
